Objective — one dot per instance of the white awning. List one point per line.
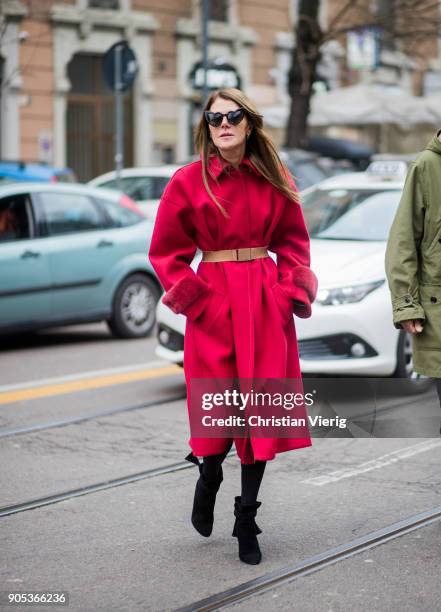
(363, 105)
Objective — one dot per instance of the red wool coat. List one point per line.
(239, 314)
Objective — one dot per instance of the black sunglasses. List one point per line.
(233, 117)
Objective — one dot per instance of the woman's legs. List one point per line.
(245, 508)
(212, 463)
(207, 486)
(251, 474)
(251, 477)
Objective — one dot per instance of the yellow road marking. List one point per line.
(9, 397)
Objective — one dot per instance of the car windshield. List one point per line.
(350, 214)
(140, 188)
(305, 172)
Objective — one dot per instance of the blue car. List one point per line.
(13, 171)
(74, 254)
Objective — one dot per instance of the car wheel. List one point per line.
(134, 307)
(404, 357)
(404, 369)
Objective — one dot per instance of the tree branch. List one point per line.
(349, 5)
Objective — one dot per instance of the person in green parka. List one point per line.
(413, 260)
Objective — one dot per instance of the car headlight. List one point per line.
(346, 295)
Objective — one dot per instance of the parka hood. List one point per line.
(435, 144)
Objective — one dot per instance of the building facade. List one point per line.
(56, 107)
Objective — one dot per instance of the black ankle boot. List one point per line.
(202, 516)
(245, 530)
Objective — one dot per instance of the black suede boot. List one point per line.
(202, 516)
(245, 530)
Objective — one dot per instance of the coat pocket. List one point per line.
(214, 312)
(430, 299)
(284, 303)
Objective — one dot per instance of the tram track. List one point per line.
(16, 431)
(5, 433)
(227, 598)
(55, 498)
(264, 583)
(102, 485)
(278, 578)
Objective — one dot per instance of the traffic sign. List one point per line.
(129, 66)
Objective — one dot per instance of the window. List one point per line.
(219, 10)
(140, 188)
(15, 218)
(159, 184)
(165, 153)
(66, 213)
(119, 215)
(350, 214)
(104, 4)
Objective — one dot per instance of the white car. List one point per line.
(351, 330)
(144, 185)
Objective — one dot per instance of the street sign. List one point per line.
(219, 75)
(45, 146)
(129, 66)
(362, 49)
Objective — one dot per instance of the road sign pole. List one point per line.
(205, 18)
(119, 70)
(119, 116)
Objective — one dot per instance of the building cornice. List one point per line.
(217, 32)
(13, 9)
(88, 19)
(397, 59)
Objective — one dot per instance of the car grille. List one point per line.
(338, 346)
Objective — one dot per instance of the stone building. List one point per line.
(56, 107)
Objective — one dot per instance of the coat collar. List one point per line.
(217, 165)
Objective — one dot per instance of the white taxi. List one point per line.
(351, 330)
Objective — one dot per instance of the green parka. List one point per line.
(413, 258)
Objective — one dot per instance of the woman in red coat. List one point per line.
(234, 203)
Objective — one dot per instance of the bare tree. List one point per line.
(404, 24)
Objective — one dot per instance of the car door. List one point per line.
(24, 265)
(81, 253)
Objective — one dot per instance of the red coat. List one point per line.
(239, 314)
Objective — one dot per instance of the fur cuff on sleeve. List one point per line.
(302, 309)
(301, 285)
(184, 292)
(306, 280)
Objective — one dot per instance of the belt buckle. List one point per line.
(246, 254)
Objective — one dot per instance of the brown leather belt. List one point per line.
(243, 254)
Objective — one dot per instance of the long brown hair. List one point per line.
(260, 148)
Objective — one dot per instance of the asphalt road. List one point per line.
(132, 547)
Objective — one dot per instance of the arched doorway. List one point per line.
(90, 124)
